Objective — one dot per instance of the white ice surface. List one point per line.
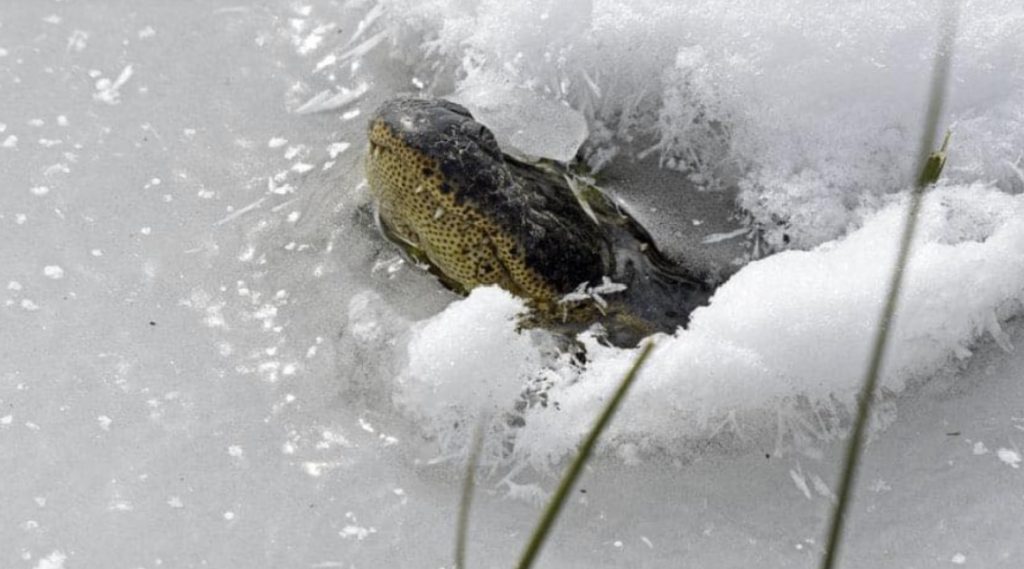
(208, 358)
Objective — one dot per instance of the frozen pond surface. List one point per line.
(208, 358)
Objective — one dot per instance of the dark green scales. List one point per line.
(452, 199)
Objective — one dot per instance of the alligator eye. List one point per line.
(474, 130)
(485, 138)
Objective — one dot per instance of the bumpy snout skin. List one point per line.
(444, 188)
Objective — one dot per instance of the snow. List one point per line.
(1009, 456)
(467, 363)
(211, 358)
(56, 559)
(966, 277)
(108, 91)
(810, 109)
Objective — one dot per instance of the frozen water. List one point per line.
(523, 121)
(208, 357)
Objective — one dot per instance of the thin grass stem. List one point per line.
(468, 486)
(543, 529)
(929, 166)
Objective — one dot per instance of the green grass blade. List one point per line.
(933, 166)
(468, 486)
(540, 533)
(929, 168)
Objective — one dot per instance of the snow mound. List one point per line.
(466, 364)
(789, 330)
